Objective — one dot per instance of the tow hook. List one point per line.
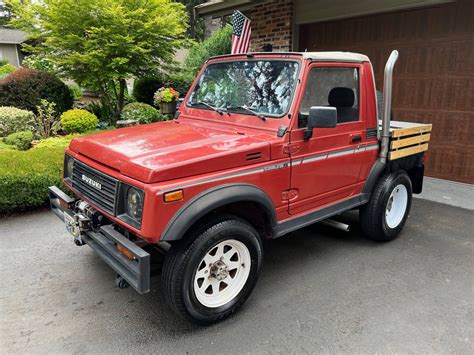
(78, 241)
(120, 282)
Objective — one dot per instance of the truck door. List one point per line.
(325, 169)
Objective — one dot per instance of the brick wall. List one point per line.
(272, 23)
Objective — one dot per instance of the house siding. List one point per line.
(9, 52)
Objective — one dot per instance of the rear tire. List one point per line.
(384, 216)
(211, 273)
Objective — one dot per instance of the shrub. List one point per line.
(102, 112)
(47, 121)
(3, 61)
(75, 91)
(24, 88)
(6, 69)
(78, 121)
(56, 142)
(180, 82)
(25, 177)
(217, 44)
(13, 120)
(21, 140)
(144, 113)
(38, 62)
(144, 88)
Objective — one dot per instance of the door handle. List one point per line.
(356, 139)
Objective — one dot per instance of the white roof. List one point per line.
(336, 56)
(316, 56)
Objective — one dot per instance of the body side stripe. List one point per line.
(279, 165)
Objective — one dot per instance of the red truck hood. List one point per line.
(170, 150)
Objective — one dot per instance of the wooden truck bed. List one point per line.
(408, 138)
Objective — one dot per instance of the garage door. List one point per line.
(433, 79)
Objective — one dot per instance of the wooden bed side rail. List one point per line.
(408, 139)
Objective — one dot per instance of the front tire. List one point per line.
(210, 274)
(384, 216)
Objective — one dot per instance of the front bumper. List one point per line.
(106, 242)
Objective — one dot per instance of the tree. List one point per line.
(5, 14)
(196, 23)
(101, 43)
(218, 43)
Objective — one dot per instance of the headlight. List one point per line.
(68, 166)
(134, 204)
(130, 204)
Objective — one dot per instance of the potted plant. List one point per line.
(166, 98)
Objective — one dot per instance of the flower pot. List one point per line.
(168, 108)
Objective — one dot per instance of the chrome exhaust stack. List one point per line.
(387, 105)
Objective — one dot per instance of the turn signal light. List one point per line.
(125, 252)
(173, 196)
(64, 204)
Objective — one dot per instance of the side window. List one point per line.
(335, 87)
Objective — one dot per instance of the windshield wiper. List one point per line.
(248, 110)
(203, 103)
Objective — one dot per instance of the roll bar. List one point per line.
(387, 107)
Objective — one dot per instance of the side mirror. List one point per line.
(320, 117)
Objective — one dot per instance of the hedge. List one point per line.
(26, 175)
(25, 88)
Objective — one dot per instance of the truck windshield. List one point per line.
(264, 86)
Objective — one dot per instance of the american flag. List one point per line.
(241, 34)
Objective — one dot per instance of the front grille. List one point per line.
(103, 198)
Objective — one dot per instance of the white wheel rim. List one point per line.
(396, 206)
(222, 273)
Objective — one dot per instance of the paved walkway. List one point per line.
(448, 192)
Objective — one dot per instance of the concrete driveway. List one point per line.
(321, 290)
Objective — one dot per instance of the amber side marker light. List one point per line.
(125, 252)
(64, 204)
(173, 196)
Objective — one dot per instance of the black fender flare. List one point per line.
(375, 172)
(213, 198)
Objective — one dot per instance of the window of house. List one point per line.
(333, 87)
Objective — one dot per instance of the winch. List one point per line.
(85, 219)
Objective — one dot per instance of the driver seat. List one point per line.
(343, 99)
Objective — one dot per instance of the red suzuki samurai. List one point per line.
(262, 145)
